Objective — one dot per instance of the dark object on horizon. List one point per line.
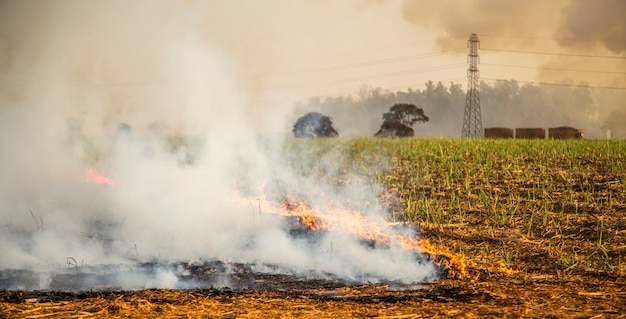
(124, 129)
(74, 125)
(314, 124)
(399, 120)
(530, 133)
(499, 132)
(565, 132)
(158, 128)
(561, 132)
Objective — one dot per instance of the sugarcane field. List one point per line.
(312, 159)
(514, 228)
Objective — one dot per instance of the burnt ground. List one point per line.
(259, 295)
(566, 245)
(213, 274)
(494, 297)
(547, 281)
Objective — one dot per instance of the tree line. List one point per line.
(398, 122)
(504, 103)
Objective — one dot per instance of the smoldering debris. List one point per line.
(105, 194)
(209, 274)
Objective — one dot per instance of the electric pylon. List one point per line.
(472, 121)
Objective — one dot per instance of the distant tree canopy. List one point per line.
(124, 128)
(503, 103)
(406, 114)
(314, 124)
(399, 120)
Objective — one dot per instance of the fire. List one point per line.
(354, 223)
(341, 220)
(456, 265)
(91, 175)
(306, 216)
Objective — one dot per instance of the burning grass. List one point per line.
(353, 222)
(525, 229)
(91, 175)
(492, 196)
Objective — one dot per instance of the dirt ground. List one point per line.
(527, 294)
(493, 297)
(571, 265)
(537, 287)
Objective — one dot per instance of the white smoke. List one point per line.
(60, 114)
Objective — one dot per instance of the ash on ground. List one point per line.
(210, 274)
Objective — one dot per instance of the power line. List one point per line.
(365, 63)
(158, 84)
(562, 84)
(372, 76)
(420, 70)
(557, 54)
(554, 69)
(416, 84)
(515, 36)
(384, 47)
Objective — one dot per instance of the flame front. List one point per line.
(456, 265)
(91, 175)
(306, 216)
(354, 223)
(339, 220)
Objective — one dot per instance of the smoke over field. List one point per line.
(87, 186)
(573, 26)
(143, 131)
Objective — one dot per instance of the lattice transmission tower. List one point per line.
(472, 121)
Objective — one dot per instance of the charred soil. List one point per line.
(552, 212)
(494, 296)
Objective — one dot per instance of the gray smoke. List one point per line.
(570, 26)
(575, 24)
(82, 82)
(586, 24)
(454, 21)
(589, 35)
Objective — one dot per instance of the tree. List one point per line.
(394, 129)
(406, 114)
(314, 124)
(399, 120)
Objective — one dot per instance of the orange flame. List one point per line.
(342, 220)
(354, 223)
(306, 216)
(92, 176)
(456, 265)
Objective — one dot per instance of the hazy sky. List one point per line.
(275, 52)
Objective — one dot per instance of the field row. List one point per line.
(561, 202)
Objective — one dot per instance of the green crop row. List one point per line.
(564, 198)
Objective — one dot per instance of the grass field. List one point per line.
(566, 196)
(554, 211)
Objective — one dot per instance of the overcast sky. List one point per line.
(274, 52)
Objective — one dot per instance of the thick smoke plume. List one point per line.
(572, 23)
(128, 136)
(574, 27)
(454, 21)
(587, 24)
